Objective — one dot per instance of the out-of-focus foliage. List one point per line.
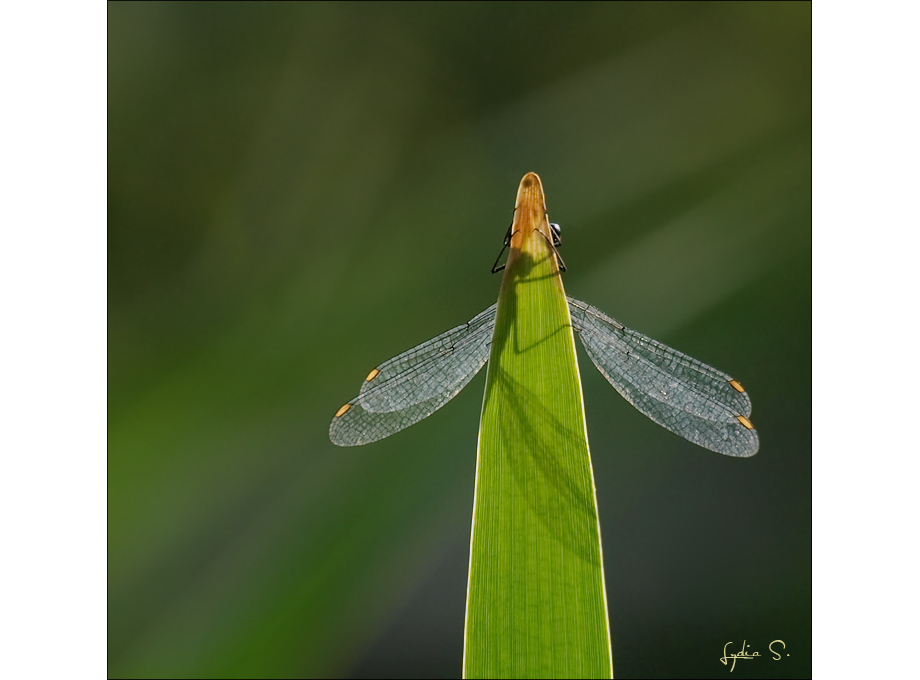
(300, 191)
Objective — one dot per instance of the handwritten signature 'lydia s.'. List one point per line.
(744, 654)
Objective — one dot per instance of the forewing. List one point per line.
(431, 369)
(404, 390)
(680, 393)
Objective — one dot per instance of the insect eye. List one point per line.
(556, 228)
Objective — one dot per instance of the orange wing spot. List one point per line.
(744, 421)
(341, 412)
(736, 385)
(370, 376)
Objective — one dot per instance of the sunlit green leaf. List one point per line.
(536, 605)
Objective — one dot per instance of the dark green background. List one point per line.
(298, 192)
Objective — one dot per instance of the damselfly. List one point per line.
(682, 394)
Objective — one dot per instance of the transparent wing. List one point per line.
(432, 368)
(684, 395)
(404, 390)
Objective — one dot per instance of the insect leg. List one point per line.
(507, 242)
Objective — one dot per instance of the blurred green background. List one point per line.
(298, 192)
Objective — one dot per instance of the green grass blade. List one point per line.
(536, 604)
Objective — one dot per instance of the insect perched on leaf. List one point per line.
(684, 395)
